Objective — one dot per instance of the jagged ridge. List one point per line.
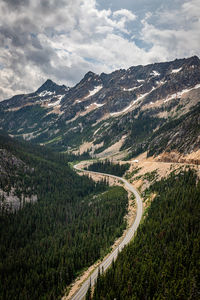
(103, 108)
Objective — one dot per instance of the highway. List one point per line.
(80, 294)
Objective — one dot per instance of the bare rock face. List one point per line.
(12, 193)
(9, 162)
(182, 134)
(102, 108)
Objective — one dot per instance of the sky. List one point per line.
(64, 39)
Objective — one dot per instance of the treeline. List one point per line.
(18, 147)
(163, 260)
(108, 167)
(35, 170)
(45, 245)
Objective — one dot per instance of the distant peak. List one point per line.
(89, 74)
(49, 85)
(194, 60)
(49, 81)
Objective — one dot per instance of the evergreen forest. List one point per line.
(44, 246)
(108, 167)
(163, 261)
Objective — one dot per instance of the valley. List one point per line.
(142, 173)
(46, 244)
(161, 261)
(59, 226)
(80, 288)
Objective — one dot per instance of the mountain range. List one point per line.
(151, 108)
(54, 224)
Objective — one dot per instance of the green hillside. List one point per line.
(45, 245)
(109, 168)
(163, 261)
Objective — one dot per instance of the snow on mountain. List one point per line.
(176, 70)
(94, 91)
(179, 94)
(155, 73)
(46, 93)
(112, 100)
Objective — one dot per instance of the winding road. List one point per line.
(80, 294)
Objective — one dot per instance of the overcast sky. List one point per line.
(64, 39)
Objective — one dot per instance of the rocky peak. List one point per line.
(156, 90)
(90, 79)
(50, 86)
(89, 74)
(194, 60)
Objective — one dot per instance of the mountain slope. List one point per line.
(163, 260)
(102, 109)
(46, 244)
(29, 173)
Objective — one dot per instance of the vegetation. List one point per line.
(186, 125)
(45, 245)
(129, 175)
(163, 261)
(25, 119)
(140, 129)
(109, 168)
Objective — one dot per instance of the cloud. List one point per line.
(176, 33)
(16, 4)
(56, 39)
(63, 40)
(125, 13)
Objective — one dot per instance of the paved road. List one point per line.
(79, 295)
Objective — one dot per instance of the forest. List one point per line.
(44, 246)
(163, 260)
(108, 167)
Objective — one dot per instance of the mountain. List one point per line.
(127, 108)
(52, 221)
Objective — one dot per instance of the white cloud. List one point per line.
(55, 40)
(64, 39)
(125, 13)
(181, 39)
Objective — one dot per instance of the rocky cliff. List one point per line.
(130, 105)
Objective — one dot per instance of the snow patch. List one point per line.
(96, 104)
(94, 91)
(159, 83)
(54, 103)
(91, 93)
(140, 80)
(60, 97)
(179, 94)
(144, 95)
(176, 70)
(132, 89)
(132, 103)
(99, 104)
(155, 73)
(46, 93)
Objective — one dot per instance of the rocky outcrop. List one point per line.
(182, 134)
(13, 196)
(177, 157)
(102, 108)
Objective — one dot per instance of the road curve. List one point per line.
(80, 294)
